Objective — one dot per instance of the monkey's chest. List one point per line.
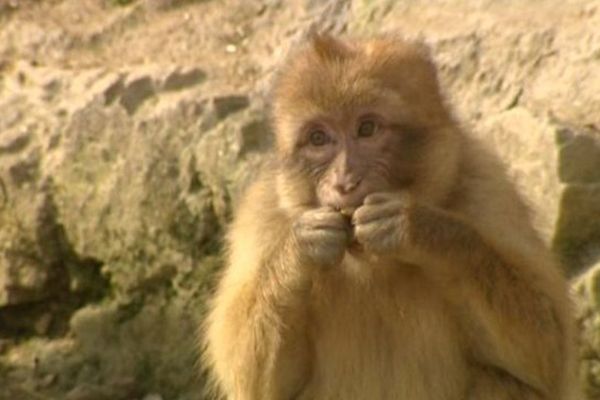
(392, 339)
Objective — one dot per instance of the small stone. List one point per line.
(231, 48)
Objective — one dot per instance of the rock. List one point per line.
(22, 280)
(225, 105)
(14, 143)
(256, 136)
(135, 91)
(579, 160)
(587, 293)
(577, 236)
(24, 170)
(183, 78)
(114, 88)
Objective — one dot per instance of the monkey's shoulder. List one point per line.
(258, 205)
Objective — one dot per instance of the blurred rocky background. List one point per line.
(128, 128)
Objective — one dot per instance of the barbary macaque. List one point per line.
(383, 254)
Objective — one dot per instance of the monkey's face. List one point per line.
(355, 153)
(357, 118)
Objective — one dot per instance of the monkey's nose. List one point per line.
(346, 186)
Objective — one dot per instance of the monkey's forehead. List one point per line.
(340, 103)
(345, 77)
(328, 85)
(341, 80)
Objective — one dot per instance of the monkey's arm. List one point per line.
(255, 336)
(512, 312)
(256, 333)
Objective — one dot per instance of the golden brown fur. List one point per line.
(452, 297)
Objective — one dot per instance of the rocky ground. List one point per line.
(128, 128)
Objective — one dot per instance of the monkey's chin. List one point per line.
(355, 248)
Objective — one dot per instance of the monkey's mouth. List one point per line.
(344, 202)
(346, 205)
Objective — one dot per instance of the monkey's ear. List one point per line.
(329, 48)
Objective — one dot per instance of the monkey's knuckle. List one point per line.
(359, 231)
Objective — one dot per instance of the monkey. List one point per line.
(384, 252)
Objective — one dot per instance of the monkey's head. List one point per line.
(354, 118)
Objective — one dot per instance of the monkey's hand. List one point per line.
(382, 225)
(322, 236)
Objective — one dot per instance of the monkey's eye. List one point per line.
(318, 138)
(367, 128)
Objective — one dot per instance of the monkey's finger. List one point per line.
(325, 239)
(321, 228)
(323, 233)
(325, 236)
(376, 235)
(324, 219)
(369, 213)
(380, 197)
(374, 228)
